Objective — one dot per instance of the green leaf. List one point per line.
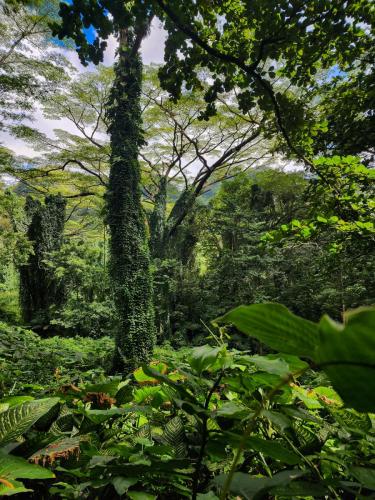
(295, 364)
(122, 484)
(254, 488)
(140, 495)
(13, 488)
(179, 388)
(16, 400)
(18, 419)
(276, 366)
(301, 489)
(279, 420)
(231, 409)
(100, 416)
(12, 468)
(365, 476)
(203, 357)
(210, 495)
(109, 387)
(141, 377)
(309, 398)
(276, 326)
(18, 468)
(273, 449)
(174, 436)
(139, 459)
(328, 395)
(346, 353)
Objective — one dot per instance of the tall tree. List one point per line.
(181, 159)
(39, 289)
(130, 266)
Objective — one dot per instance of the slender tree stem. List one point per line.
(249, 429)
(204, 436)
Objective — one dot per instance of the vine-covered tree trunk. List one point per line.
(39, 289)
(130, 262)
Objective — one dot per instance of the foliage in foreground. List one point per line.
(213, 423)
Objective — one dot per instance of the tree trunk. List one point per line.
(39, 289)
(130, 262)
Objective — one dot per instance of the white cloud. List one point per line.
(16, 145)
(109, 55)
(153, 46)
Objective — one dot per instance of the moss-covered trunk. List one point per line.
(130, 262)
(39, 289)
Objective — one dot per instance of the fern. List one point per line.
(18, 419)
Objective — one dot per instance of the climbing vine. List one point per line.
(39, 288)
(130, 263)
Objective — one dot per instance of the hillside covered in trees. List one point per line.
(187, 293)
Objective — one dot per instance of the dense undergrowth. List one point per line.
(204, 423)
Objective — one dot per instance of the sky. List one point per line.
(152, 52)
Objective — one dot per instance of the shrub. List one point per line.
(25, 358)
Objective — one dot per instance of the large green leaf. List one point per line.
(12, 468)
(347, 355)
(231, 409)
(16, 400)
(345, 352)
(300, 489)
(268, 447)
(273, 449)
(276, 326)
(122, 484)
(140, 495)
(100, 416)
(11, 487)
(108, 387)
(365, 476)
(207, 496)
(254, 488)
(18, 419)
(203, 357)
(276, 366)
(142, 378)
(18, 468)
